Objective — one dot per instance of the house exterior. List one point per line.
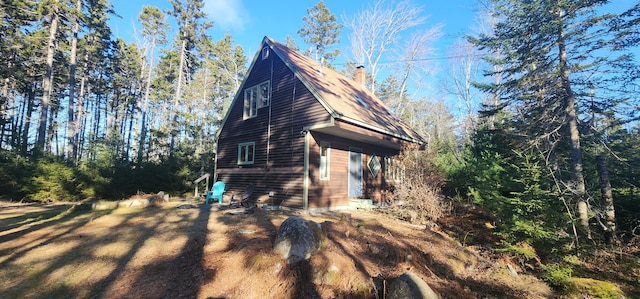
(307, 137)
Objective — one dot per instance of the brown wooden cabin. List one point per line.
(306, 136)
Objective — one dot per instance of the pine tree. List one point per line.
(154, 30)
(191, 31)
(321, 30)
(549, 52)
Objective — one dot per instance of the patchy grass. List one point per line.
(578, 287)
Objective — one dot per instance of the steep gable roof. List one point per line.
(344, 98)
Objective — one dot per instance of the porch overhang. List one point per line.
(360, 134)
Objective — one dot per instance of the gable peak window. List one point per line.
(265, 53)
(255, 97)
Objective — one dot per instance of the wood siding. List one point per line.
(334, 192)
(276, 131)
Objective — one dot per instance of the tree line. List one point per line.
(71, 90)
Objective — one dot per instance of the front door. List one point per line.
(355, 172)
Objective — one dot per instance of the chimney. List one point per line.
(360, 75)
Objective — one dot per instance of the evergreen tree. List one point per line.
(391, 93)
(291, 43)
(191, 33)
(321, 30)
(549, 52)
(154, 30)
(14, 79)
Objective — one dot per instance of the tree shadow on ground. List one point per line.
(65, 220)
(173, 276)
(252, 232)
(147, 229)
(189, 275)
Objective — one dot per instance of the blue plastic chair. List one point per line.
(216, 192)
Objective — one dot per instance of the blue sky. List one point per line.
(249, 21)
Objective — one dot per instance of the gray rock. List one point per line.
(134, 203)
(409, 285)
(512, 271)
(297, 239)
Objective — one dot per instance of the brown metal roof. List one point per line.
(345, 99)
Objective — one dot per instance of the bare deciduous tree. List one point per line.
(377, 28)
(412, 66)
(465, 69)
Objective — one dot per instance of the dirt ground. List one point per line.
(198, 251)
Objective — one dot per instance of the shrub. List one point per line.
(52, 181)
(418, 196)
(557, 275)
(13, 171)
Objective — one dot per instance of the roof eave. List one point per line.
(383, 131)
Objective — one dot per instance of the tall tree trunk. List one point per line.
(607, 196)
(81, 117)
(5, 111)
(577, 184)
(31, 98)
(71, 123)
(47, 82)
(145, 104)
(130, 129)
(18, 121)
(80, 110)
(176, 105)
(97, 115)
(52, 131)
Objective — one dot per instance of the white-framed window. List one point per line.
(325, 158)
(255, 97)
(393, 171)
(265, 53)
(246, 153)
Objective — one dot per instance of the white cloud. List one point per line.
(228, 14)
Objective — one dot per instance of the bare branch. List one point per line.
(375, 29)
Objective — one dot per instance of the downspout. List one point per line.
(215, 164)
(305, 188)
(269, 124)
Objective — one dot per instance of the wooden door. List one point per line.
(355, 172)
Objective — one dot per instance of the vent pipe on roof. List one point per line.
(360, 75)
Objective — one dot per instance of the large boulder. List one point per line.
(409, 285)
(297, 239)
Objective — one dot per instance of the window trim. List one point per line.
(247, 145)
(325, 174)
(375, 162)
(261, 103)
(253, 101)
(392, 171)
